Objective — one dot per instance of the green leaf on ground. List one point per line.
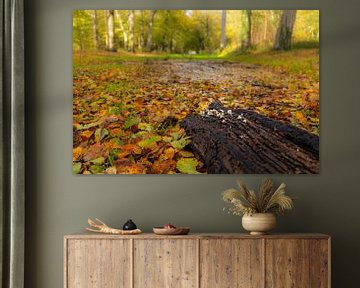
(98, 161)
(149, 141)
(95, 169)
(181, 143)
(131, 122)
(187, 165)
(76, 168)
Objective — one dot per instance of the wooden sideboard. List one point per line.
(197, 260)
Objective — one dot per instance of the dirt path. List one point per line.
(273, 93)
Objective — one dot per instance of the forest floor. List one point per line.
(127, 109)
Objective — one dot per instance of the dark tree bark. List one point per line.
(242, 141)
(249, 35)
(285, 30)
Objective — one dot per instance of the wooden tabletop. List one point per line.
(89, 235)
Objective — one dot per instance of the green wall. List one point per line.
(59, 203)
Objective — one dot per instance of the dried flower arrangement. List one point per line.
(267, 200)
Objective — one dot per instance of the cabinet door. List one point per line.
(231, 263)
(98, 263)
(287, 263)
(320, 263)
(166, 263)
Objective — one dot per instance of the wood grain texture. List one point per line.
(319, 263)
(287, 263)
(197, 260)
(165, 263)
(98, 264)
(231, 263)
(88, 235)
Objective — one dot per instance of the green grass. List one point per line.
(81, 58)
(303, 59)
(298, 61)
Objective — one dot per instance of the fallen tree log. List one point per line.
(241, 141)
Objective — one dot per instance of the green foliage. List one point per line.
(76, 168)
(267, 200)
(307, 26)
(98, 161)
(296, 61)
(100, 134)
(149, 141)
(131, 122)
(189, 31)
(82, 33)
(187, 165)
(96, 169)
(180, 143)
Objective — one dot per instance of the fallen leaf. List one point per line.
(96, 169)
(96, 151)
(149, 141)
(100, 134)
(111, 170)
(76, 168)
(78, 153)
(163, 167)
(129, 149)
(181, 143)
(98, 161)
(187, 165)
(186, 154)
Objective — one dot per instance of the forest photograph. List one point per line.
(196, 92)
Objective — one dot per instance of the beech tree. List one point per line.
(249, 29)
(223, 30)
(131, 23)
(95, 30)
(110, 30)
(285, 30)
(122, 28)
(189, 31)
(149, 43)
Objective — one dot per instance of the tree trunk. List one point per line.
(249, 35)
(265, 26)
(140, 42)
(285, 30)
(149, 44)
(131, 23)
(141, 36)
(122, 28)
(95, 29)
(223, 30)
(81, 34)
(110, 30)
(241, 141)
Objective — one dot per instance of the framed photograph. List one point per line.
(196, 92)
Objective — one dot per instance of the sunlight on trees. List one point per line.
(192, 31)
(149, 86)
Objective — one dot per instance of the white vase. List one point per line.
(259, 223)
